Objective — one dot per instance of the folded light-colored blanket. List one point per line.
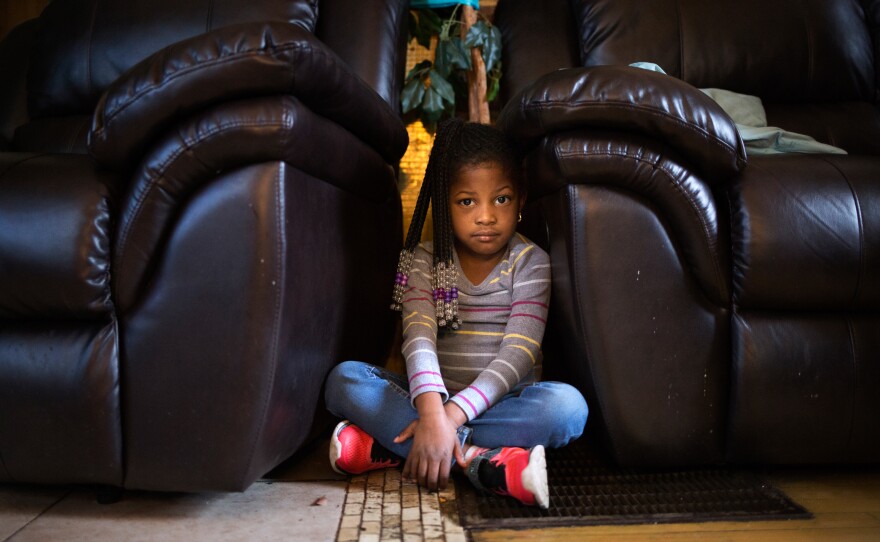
(751, 120)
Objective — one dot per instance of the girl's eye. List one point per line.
(501, 200)
(466, 202)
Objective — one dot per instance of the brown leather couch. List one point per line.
(198, 219)
(712, 306)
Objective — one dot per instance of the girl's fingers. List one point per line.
(458, 454)
(443, 479)
(407, 433)
(407, 468)
(423, 473)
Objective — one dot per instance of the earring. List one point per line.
(520, 218)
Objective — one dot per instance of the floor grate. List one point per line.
(586, 490)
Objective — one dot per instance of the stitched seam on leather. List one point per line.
(572, 209)
(163, 169)
(209, 18)
(111, 115)
(703, 133)
(680, 40)
(855, 368)
(5, 470)
(89, 48)
(83, 126)
(277, 312)
(811, 56)
(862, 260)
(20, 162)
(713, 248)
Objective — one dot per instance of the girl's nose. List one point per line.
(486, 215)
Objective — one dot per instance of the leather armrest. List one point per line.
(647, 170)
(223, 139)
(629, 99)
(234, 62)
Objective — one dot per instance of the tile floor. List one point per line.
(302, 499)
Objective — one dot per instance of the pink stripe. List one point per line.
(481, 395)
(417, 299)
(469, 403)
(417, 388)
(485, 310)
(529, 315)
(419, 289)
(413, 377)
(530, 303)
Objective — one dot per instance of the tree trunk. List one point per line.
(478, 106)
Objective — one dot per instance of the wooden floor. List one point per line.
(845, 503)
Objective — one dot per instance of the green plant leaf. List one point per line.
(477, 35)
(424, 23)
(432, 106)
(492, 91)
(431, 21)
(492, 48)
(443, 57)
(419, 32)
(460, 56)
(412, 95)
(422, 66)
(442, 86)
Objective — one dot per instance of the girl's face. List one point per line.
(484, 205)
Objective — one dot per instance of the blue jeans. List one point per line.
(377, 400)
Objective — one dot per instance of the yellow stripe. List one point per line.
(428, 318)
(418, 324)
(526, 350)
(523, 337)
(410, 316)
(528, 248)
(520, 255)
(490, 333)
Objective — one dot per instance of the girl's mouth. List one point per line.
(485, 235)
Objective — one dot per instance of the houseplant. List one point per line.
(467, 62)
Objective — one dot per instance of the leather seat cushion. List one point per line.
(55, 224)
(806, 233)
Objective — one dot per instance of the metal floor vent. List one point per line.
(586, 490)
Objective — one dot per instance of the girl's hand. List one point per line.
(435, 442)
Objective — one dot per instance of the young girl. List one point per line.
(474, 306)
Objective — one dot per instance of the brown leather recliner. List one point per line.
(198, 219)
(712, 306)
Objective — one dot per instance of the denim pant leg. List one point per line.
(376, 400)
(548, 413)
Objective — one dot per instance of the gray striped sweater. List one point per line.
(499, 342)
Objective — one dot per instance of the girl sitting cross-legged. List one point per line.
(474, 307)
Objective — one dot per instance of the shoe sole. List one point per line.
(336, 446)
(534, 477)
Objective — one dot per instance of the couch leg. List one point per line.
(108, 494)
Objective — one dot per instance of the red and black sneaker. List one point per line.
(516, 472)
(352, 451)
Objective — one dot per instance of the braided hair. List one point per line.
(457, 146)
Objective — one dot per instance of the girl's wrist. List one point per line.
(455, 413)
(429, 404)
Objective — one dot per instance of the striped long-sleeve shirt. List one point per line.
(499, 342)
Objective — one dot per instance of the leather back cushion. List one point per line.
(84, 45)
(783, 51)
